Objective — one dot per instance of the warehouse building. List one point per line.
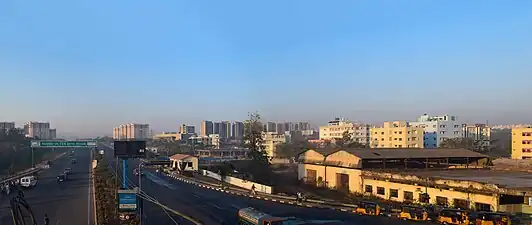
(450, 177)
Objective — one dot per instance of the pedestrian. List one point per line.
(46, 220)
(253, 192)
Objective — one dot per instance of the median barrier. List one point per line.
(239, 182)
(29, 171)
(309, 203)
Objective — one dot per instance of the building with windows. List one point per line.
(480, 134)
(206, 128)
(437, 129)
(270, 142)
(335, 129)
(398, 134)
(132, 131)
(53, 133)
(187, 129)
(7, 125)
(39, 130)
(444, 177)
(522, 143)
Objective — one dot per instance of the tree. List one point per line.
(466, 143)
(253, 139)
(346, 141)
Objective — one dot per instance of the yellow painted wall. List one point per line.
(433, 192)
(311, 156)
(521, 143)
(328, 175)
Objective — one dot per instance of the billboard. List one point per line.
(130, 149)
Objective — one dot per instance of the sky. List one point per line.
(89, 65)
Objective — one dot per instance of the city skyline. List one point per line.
(296, 60)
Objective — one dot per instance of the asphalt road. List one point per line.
(213, 207)
(67, 203)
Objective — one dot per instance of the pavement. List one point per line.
(67, 203)
(210, 206)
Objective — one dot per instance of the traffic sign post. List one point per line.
(127, 203)
(63, 144)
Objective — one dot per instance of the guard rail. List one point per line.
(37, 168)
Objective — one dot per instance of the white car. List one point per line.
(28, 181)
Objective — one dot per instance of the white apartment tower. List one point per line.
(438, 128)
(37, 129)
(335, 129)
(132, 131)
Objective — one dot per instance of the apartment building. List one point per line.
(397, 134)
(132, 131)
(53, 134)
(522, 143)
(335, 129)
(206, 128)
(40, 130)
(212, 140)
(437, 129)
(479, 133)
(187, 129)
(270, 142)
(7, 125)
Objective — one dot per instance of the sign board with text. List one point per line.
(127, 200)
(63, 144)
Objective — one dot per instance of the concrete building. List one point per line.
(132, 131)
(444, 177)
(53, 134)
(187, 162)
(237, 130)
(438, 128)
(522, 143)
(206, 128)
(37, 129)
(271, 127)
(480, 134)
(335, 129)
(398, 134)
(7, 125)
(165, 136)
(187, 129)
(212, 140)
(270, 142)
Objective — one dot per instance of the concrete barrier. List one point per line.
(239, 182)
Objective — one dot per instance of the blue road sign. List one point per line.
(127, 202)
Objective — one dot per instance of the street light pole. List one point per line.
(140, 189)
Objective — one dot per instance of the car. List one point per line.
(68, 170)
(62, 177)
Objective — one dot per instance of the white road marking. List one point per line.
(215, 206)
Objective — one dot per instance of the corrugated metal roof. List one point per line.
(412, 153)
(179, 156)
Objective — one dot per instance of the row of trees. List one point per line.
(15, 153)
(105, 194)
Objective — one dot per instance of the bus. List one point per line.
(250, 216)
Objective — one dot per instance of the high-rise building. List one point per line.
(39, 130)
(522, 142)
(7, 125)
(206, 128)
(479, 133)
(398, 134)
(223, 128)
(53, 133)
(271, 127)
(237, 129)
(216, 128)
(132, 131)
(280, 128)
(438, 129)
(187, 129)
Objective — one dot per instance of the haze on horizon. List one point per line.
(89, 65)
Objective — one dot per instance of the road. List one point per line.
(213, 207)
(68, 203)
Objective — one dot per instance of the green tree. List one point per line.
(346, 141)
(465, 143)
(253, 139)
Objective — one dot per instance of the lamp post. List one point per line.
(140, 189)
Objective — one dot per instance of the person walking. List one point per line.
(46, 220)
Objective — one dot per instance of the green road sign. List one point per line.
(62, 144)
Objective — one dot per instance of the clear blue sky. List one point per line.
(94, 64)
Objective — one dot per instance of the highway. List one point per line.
(213, 207)
(68, 203)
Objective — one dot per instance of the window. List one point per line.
(394, 193)
(368, 189)
(380, 191)
(408, 196)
